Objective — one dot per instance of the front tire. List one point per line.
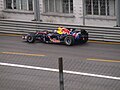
(69, 40)
(30, 39)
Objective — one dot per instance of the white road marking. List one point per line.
(56, 70)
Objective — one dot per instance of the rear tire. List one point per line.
(69, 40)
(84, 36)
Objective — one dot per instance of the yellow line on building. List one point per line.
(103, 60)
(25, 54)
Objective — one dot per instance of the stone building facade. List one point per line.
(96, 12)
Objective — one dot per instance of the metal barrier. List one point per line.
(95, 33)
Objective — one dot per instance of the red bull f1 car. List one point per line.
(50, 36)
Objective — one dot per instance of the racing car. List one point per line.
(50, 36)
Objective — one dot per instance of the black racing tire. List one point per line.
(31, 38)
(84, 36)
(69, 40)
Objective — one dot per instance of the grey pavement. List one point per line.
(75, 59)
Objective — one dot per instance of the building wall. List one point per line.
(56, 18)
(101, 22)
(16, 14)
(19, 15)
(78, 17)
(75, 18)
(1, 8)
(78, 11)
(1, 5)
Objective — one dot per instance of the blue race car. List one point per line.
(49, 36)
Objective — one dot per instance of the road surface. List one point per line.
(91, 66)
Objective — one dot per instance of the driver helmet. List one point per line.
(59, 30)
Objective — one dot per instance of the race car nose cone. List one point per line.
(23, 37)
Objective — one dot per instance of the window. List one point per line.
(30, 5)
(24, 4)
(95, 7)
(67, 6)
(99, 7)
(59, 6)
(19, 4)
(9, 4)
(51, 5)
(88, 7)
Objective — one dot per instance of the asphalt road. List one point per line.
(91, 66)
